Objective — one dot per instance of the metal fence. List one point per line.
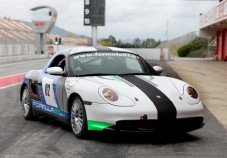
(181, 40)
(16, 42)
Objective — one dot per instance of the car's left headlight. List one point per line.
(190, 95)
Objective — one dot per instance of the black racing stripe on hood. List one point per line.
(165, 108)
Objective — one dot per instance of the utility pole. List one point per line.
(94, 16)
(167, 28)
(94, 35)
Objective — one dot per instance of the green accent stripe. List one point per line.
(147, 79)
(125, 81)
(116, 78)
(97, 126)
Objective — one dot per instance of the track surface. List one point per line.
(48, 138)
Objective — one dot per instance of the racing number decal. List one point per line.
(47, 89)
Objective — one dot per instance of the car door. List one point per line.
(52, 88)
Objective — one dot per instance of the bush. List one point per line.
(183, 51)
(194, 45)
(201, 53)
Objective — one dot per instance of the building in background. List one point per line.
(214, 24)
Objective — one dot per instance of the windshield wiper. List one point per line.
(95, 74)
(135, 74)
(106, 74)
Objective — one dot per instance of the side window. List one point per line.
(58, 61)
(132, 64)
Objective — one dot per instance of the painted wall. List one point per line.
(221, 50)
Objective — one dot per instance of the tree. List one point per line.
(106, 42)
(50, 41)
(150, 43)
(113, 40)
(69, 35)
(137, 43)
(119, 43)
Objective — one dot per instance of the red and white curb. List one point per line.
(11, 80)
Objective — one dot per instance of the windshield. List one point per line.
(104, 63)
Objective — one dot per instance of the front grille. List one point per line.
(186, 124)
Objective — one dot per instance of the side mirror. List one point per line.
(55, 71)
(158, 69)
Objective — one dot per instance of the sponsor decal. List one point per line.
(104, 55)
(49, 109)
(158, 96)
(47, 89)
(39, 24)
(144, 117)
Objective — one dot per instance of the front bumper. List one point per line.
(181, 125)
(107, 117)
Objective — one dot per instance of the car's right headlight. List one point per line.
(115, 98)
(109, 94)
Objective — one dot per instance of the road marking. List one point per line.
(11, 80)
(32, 61)
(10, 85)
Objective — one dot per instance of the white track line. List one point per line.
(10, 86)
(30, 61)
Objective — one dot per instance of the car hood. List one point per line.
(172, 88)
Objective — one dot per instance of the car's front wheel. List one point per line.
(26, 105)
(78, 118)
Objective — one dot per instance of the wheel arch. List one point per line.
(70, 100)
(21, 89)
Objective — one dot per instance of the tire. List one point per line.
(78, 118)
(26, 105)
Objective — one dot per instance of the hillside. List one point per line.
(59, 31)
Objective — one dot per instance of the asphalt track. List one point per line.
(48, 138)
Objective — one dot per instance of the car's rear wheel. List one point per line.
(78, 118)
(26, 105)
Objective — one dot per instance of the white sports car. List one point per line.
(106, 88)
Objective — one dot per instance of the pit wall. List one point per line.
(152, 54)
(14, 53)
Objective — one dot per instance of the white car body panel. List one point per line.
(101, 110)
(161, 99)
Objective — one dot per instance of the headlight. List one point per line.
(192, 92)
(110, 94)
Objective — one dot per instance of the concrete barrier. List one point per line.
(11, 53)
(152, 54)
(146, 53)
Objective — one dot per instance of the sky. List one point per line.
(125, 19)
